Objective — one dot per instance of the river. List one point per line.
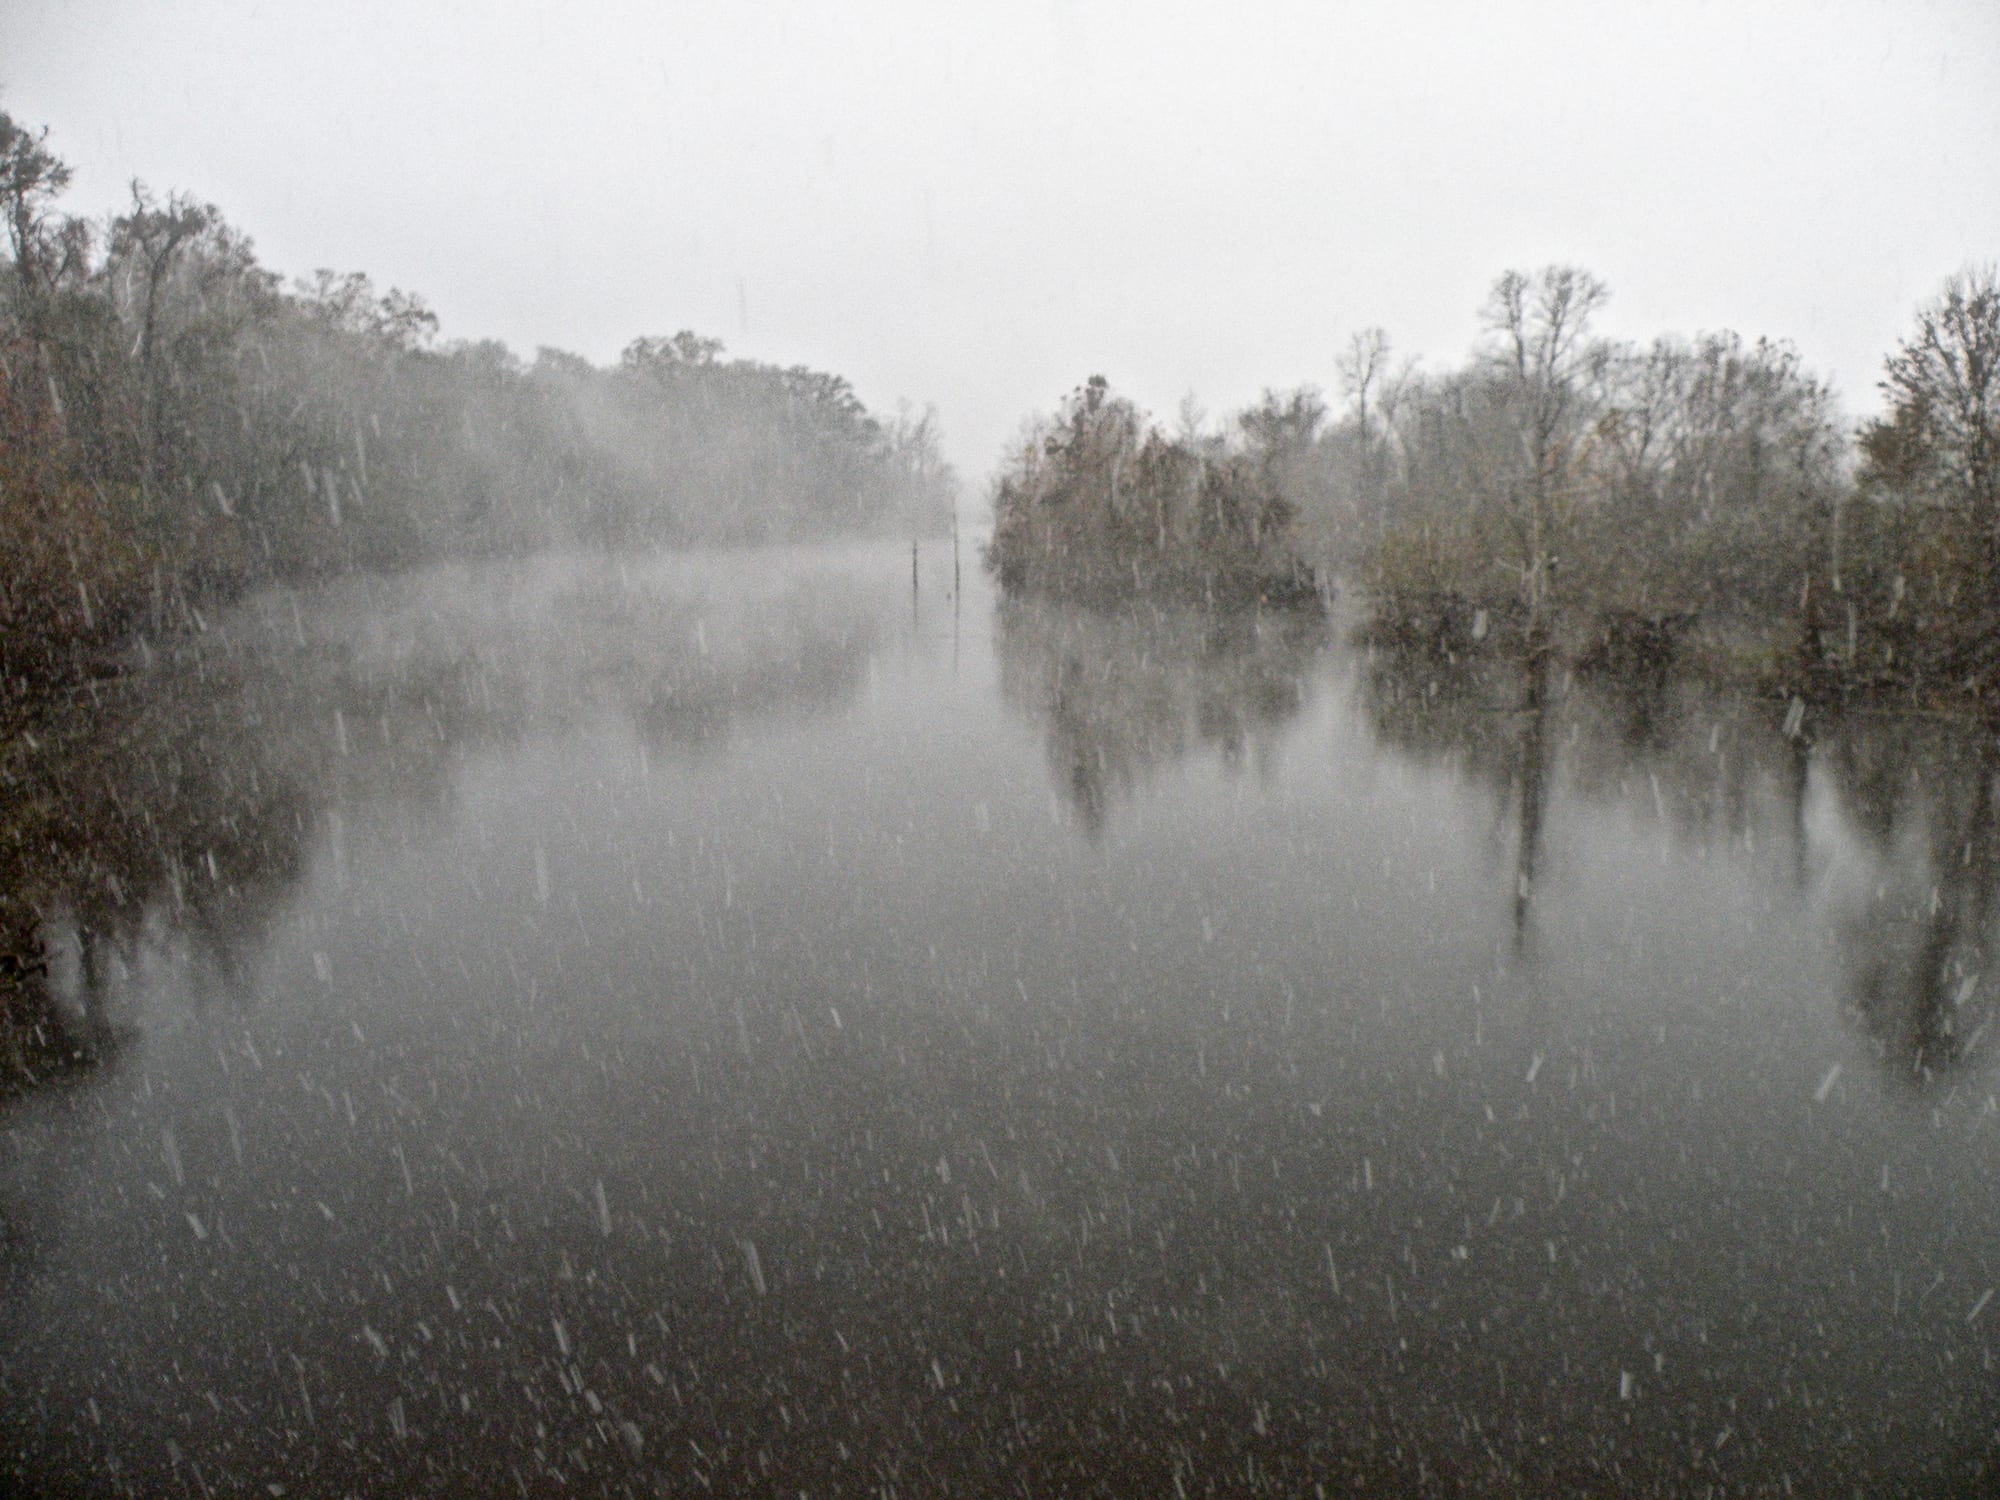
(687, 1024)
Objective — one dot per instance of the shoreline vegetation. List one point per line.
(179, 427)
(1098, 505)
(1610, 506)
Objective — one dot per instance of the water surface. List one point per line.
(669, 1025)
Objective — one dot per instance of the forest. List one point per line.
(1597, 500)
(178, 425)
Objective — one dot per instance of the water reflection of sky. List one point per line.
(816, 1083)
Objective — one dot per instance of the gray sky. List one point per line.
(980, 205)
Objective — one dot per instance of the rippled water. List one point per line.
(713, 1024)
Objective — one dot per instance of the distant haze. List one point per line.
(980, 206)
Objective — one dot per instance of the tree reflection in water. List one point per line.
(1124, 694)
(155, 828)
(1889, 823)
(1919, 938)
(150, 829)
(1483, 715)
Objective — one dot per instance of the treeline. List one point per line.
(1561, 483)
(1572, 493)
(176, 423)
(1682, 476)
(1098, 502)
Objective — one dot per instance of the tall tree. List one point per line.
(1281, 437)
(1940, 441)
(1362, 364)
(145, 244)
(1364, 371)
(1715, 471)
(49, 249)
(1539, 324)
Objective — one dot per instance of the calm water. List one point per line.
(705, 1025)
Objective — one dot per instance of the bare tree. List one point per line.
(49, 249)
(1941, 438)
(145, 244)
(1363, 367)
(1363, 363)
(1539, 323)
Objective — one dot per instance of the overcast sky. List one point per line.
(980, 205)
